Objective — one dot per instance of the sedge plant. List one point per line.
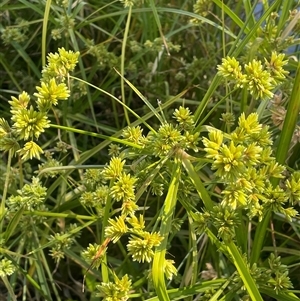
(183, 202)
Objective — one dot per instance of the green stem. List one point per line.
(104, 137)
(123, 62)
(60, 215)
(44, 31)
(2, 207)
(9, 288)
(106, 216)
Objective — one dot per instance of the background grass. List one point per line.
(170, 60)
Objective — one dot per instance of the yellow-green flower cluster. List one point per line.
(49, 93)
(118, 290)
(15, 33)
(60, 65)
(121, 189)
(243, 162)
(202, 8)
(6, 268)
(30, 197)
(66, 22)
(28, 122)
(141, 248)
(141, 242)
(169, 136)
(104, 57)
(260, 80)
(63, 240)
(94, 254)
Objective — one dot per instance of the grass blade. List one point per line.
(158, 274)
(44, 32)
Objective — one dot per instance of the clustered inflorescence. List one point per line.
(30, 120)
(258, 78)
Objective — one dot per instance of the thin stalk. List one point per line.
(9, 288)
(106, 216)
(124, 42)
(44, 32)
(104, 137)
(2, 207)
(60, 215)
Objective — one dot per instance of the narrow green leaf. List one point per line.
(157, 20)
(21, 51)
(280, 296)
(166, 217)
(181, 293)
(233, 17)
(244, 272)
(13, 223)
(142, 97)
(44, 32)
(124, 44)
(208, 203)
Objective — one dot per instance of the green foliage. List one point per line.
(105, 167)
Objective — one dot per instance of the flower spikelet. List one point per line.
(129, 207)
(91, 254)
(293, 187)
(225, 219)
(60, 64)
(275, 66)
(250, 124)
(259, 82)
(19, 103)
(30, 150)
(229, 161)
(231, 69)
(184, 118)
(30, 123)
(167, 137)
(141, 249)
(234, 197)
(49, 93)
(31, 196)
(130, 3)
(123, 188)
(138, 224)
(116, 228)
(4, 128)
(115, 291)
(169, 269)
(213, 144)
(6, 268)
(114, 169)
(134, 134)
(7, 144)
